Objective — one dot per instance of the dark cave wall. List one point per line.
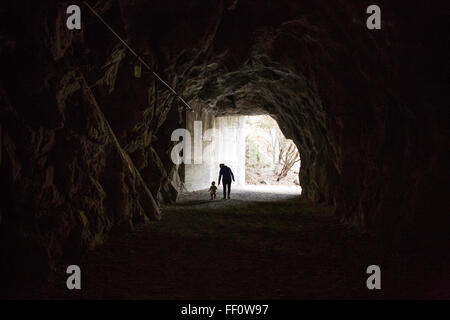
(85, 145)
(365, 108)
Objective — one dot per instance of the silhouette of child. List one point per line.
(212, 190)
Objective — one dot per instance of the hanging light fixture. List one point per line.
(138, 57)
(137, 70)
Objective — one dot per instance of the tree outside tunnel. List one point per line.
(270, 157)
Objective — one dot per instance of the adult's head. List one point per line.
(221, 165)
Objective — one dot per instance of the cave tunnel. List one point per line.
(87, 137)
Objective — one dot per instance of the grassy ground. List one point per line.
(250, 250)
(236, 249)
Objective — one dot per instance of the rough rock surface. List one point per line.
(85, 146)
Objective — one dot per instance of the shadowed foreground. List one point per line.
(237, 249)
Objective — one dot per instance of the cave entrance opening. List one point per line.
(261, 158)
(270, 158)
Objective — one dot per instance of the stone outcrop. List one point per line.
(85, 146)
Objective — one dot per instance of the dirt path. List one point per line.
(255, 246)
(239, 195)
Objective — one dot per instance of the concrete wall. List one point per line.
(197, 173)
(214, 141)
(230, 146)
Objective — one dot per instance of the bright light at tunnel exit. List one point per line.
(252, 146)
(271, 158)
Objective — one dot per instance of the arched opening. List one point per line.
(270, 158)
(261, 158)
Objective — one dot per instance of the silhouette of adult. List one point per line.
(227, 175)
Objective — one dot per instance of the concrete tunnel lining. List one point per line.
(222, 141)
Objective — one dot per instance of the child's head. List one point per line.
(213, 183)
